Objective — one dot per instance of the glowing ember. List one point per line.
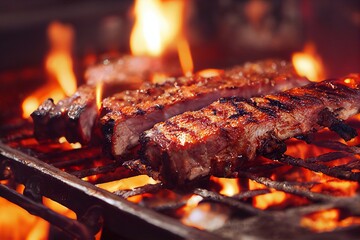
(337, 187)
(194, 201)
(72, 145)
(59, 66)
(206, 216)
(210, 72)
(127, 183)
(327, 220)
(230, 186)
(157, 25)
(309, 64)
(266, 200)
(185, 57)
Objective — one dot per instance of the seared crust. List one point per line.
(72, 117)
(126, 115)
(217, 139)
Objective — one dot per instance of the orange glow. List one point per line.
(58, 65)
(157, 25)
(309, 64)
(230, 186)
(206, 216)
(135, 199)
(350, 82)
(34, 100)
(159, 78)
(271, 199)
(327, 220)
(71, 145)
(210, 72)
(17, 224)
(267, 200)
(127, 183)
(337, 187)
(186, 61)
(99, 93)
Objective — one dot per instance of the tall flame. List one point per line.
(185, 57)
(58, 65)
(59, 62)
(157, 25)
(308, 63)
(99, 94)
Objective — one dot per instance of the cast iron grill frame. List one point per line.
(96, 207)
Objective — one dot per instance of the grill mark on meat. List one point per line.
(75, 116)
(227, 140)
(193, 93)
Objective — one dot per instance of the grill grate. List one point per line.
(56, 171)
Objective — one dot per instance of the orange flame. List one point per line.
(327, 220)
(99, 93)
(17, 224)
(59, 62)
(230, 186)
(185, 57)
(127, 183)
(59, 66)
(157, 26)
(309, 64)
(267, 200)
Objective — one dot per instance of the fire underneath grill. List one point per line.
(306, 180)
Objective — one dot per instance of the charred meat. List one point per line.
(128, 114)
(217, 139)
(72, 117)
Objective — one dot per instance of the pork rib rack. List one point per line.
(217, 139)
(126, 115)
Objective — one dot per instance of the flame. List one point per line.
(127, 183)
(337, 187)
(267, 200)
(159, 77)
(308, 63)
(157, 25)
(230, 186)
(17, 224)
(59, 66)
(327, 220)
(186, 61)
(59, 62)
(99, 93)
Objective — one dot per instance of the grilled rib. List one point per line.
(125, 117)
(74, 117)
(217, 139)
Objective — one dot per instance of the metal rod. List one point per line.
(149, 188)
(74, 228)
(287, 187)
(337, 171)
(228, 200)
